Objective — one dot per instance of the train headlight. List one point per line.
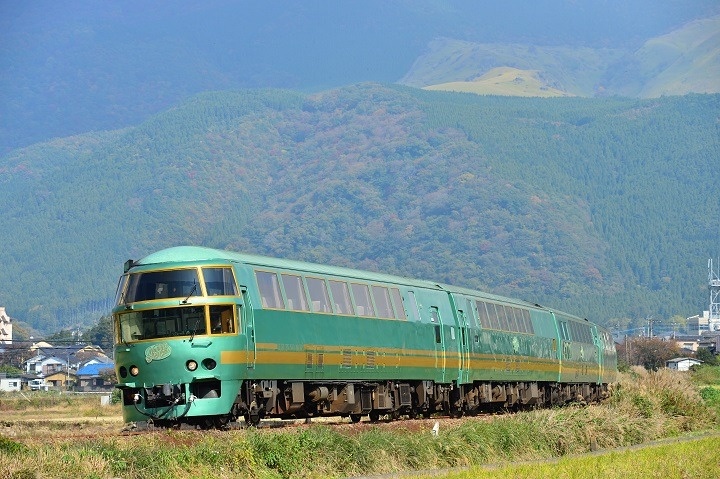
(123, 372)
(191, 365)
(209, 364)
(134, 370)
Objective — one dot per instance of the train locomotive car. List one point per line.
(205, 337)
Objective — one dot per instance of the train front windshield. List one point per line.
(185, 319)
(179, 283)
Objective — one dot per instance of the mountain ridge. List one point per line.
(686, 60)
(553, 200)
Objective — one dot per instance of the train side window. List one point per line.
(483, 314)
(397, 299)
(434, 315)
(528, 322)
(512, 326)
(502, 318)
(564, 331)
(295, 292)
(381, 295)
(269, 290)
(318, 295)
(361, 293)
(519, 324)
(492, 316)
(341, 297)
(498, 318)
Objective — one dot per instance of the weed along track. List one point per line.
(86, 442)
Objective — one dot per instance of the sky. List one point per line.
(68, 67)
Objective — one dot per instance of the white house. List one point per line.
(10, 384)
(682, 364)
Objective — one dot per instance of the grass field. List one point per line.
(680, 458)
(50, 436)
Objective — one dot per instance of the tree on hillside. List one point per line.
(101, 334)
(651, 353)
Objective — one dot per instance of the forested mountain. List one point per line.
(603, 207)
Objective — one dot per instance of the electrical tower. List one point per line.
(714, 284)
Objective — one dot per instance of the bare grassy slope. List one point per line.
(686, 60)
(504, 81)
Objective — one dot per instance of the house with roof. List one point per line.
(682, 364)
(9, 384)
(59, 365)
(96, 376)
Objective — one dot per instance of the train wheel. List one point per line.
(222, 422)
(374, 416)
(252, 418)
(355, 418)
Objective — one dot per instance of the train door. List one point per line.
(599, 347)
(247, 320)
(440, 346)
(462, 341)
(464, 376)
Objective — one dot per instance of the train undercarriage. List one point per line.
(297, 399)
(306, 399)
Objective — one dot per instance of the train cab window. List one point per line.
(162, 323)
(318, 295)
(120, 291)
(294, 292)
(434, 315)
(341, 297)
(381, 296)
(219, 282)
(397, 299)
(269, 288)
(361, 293)
(178, 283)
(221, 319)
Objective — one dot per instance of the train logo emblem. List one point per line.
(156, 352)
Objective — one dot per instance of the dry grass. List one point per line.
(58, 437)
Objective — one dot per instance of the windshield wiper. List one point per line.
(194, 330)
(194, 288)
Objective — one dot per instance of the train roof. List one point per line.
(199, 254)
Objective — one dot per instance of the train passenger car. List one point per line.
(205, 337)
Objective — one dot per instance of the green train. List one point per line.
(205, 337)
